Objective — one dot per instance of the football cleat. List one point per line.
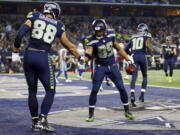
(167, 78)
(141, 98)
(34, 127)
(101, 88)
(43, 125)
(170, 80)
(133, 99)
(129, 115)
(90, 119)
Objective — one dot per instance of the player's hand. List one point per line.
(152, 60)
(131, 60)
(81, 60)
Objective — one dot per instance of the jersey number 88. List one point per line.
(44, 31)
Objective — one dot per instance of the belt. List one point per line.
(36, 50)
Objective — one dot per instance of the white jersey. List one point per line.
(82, 53)
(62, 54)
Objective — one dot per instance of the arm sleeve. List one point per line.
(21, 32)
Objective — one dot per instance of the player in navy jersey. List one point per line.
(168, 50)
(100, 46)
(43, 29)
(137, 47)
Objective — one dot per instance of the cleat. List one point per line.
(108, 83)
(90, 119)
(133, 99)
(170, 80)
(101, 88)
(43, 125)
(129, 115)
(167, 78)
(68, 80)
(141, 98)
(34, 127)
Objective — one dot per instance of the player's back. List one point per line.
(138, 43)
(43, 31)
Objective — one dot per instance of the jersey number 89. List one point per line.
(44, 31)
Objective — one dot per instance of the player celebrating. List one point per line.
(168, 50)
(138, 45)
(100, 46)
(43, 29)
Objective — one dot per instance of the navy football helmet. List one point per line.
(52, 8)
(99, 25)
(142, 27)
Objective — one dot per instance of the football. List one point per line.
(130, 68)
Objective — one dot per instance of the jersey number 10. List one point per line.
(44, 31)
(137, 43)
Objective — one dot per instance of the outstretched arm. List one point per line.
(121, 51)
(69, 45)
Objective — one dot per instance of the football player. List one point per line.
(137, 48)
(43, 29)
(168, 50)
(63, 64)
(100, 45)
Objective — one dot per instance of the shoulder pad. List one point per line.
(149, 35)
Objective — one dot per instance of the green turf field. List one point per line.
(155, 77)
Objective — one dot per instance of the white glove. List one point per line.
(16, 57)
(131, 60)
(152, 60)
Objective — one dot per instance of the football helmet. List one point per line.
(168, 38)
(142, 27)
(52, 8)
(99, 25)
(130, 68)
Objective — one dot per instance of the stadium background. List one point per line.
(162, 17)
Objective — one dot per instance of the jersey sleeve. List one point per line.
(149, 35)
(32, 16)
(61, 29)
(111, 34)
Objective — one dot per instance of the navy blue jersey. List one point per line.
(43, 31)
(168, 50)
(137, 44)
(103, 48)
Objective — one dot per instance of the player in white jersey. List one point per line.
(63, 64)
(81, 67)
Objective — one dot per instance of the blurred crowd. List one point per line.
(77, 27)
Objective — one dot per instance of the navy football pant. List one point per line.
(37, 65)
(169, 63)
(115, 76)
(140, 61)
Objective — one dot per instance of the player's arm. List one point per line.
(120, 50)
(148, 45)
(174, 51)
(21, 32)
(161, 51)
(69, 45)
(88, 53)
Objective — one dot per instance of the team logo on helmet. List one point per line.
(99, 25)
(52, 8)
